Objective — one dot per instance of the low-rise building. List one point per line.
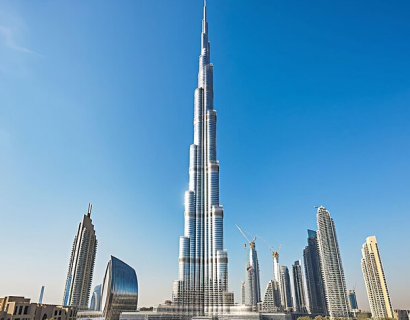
(20, 308)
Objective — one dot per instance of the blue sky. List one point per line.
(96, 105)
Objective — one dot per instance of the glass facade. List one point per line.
(203, 263)
(120, 289)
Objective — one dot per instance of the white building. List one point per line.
(374, 278)
(332, 269)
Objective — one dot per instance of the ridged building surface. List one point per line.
(375, 280)
(253, 276)
(313, 272)
(299, 301)
(81, 266)
(331, 266)
(203, 262)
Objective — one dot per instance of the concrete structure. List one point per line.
(375, 280)
(285, 289)
(313, 274)
(20, 308)
(253, 278)
(81, 266)
(401, 314)
(331, 266)
(203, 261)
(299, 300)
(120, 289)
(271, 300)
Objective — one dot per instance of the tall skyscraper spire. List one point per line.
(203, 262)
(81, 266)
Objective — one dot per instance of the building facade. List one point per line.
(375, 280)
(20, 308)
(271, 300)
(203, 261)
(313, 274)
(120, 289)
(81, 266)
(331, 266)
(253, 277)
(352, 300)
(299, 300)
(95, 303)
(285, 289)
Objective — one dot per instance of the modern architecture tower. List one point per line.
(271, 300)
(351, 294)
(81, 266)
(253, 276)
(375, 280)
(285, 288)
(331, 266)
(313, 272)
(299, 302)
(203, 261)
(120, 289)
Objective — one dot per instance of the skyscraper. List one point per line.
(95, 303)
(253, 275)
(285, 288)
(203, 262)
(351, 294)
(313, 273)
(81, 266)
(299, 302)
(331, 266)
(375, 280)
(120, 289)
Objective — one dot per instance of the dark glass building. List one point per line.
(120, 289)
(314, 281)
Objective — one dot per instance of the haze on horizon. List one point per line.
(96, 105)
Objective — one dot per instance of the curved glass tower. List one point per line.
(203, 272)
(120, 289)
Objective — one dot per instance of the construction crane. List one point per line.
(251, 243)
(275, 253)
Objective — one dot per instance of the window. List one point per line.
(26, 310)
(20, 310)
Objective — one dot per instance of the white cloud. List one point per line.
(9, 41)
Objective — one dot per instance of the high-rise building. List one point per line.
(203, 261)
(331, 266)
(120, 289)
(299, 302)
(285, 290)
(40, 300)
(243, 292)
(253, 277)
(375, 280)
(313, 274)
(81, 266)
(271, 301)
(95, 303)
(351, 294)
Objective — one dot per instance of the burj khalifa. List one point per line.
(203, 262)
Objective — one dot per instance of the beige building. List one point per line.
(374, 278)
(20, 308)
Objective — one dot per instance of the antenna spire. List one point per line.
(90, 207)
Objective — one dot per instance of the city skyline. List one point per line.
(66, 146)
